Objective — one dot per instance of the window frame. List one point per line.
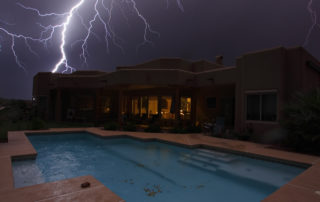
(261, 93)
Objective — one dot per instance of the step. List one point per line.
(225, 159)
(204, 161)
(196, 164)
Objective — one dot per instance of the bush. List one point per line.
(38, 124)
(111, 126)
(302, 121)
(153, 128)
(193, 129)
(130, 127)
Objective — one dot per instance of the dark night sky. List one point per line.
(205, 29)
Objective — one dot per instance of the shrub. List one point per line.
(129, 126)
(38, 124)
(193, 129)
(302, 118)
(111, 126)
(153, 128)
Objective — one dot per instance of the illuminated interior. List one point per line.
(135, 106)
(153, 106)
(167, 111)
(106, 105)
(185, 107)
(144, 107)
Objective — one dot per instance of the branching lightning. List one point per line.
(47, 32)
(313, 15)
(103, 16)
(63, 59)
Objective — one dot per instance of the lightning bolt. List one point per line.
(47, 32)
(313, 15)
(63, 59)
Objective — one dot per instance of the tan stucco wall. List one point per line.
(283, 70)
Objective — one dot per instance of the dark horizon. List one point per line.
(203, 30)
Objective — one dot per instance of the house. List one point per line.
(251, 93)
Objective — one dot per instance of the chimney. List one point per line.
(219, 59)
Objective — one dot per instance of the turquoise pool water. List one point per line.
(151, 171)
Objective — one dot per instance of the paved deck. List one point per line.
(305, 187)
(63, 190)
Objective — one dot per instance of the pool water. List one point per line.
(152, 171)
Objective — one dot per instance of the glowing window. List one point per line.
(152, 106)
(166, 108)
(185, 107)
(135, 106)
(106, 104)
(144, 107)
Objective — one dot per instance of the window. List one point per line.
(166, 106)
(144, 107)
(150, 107)
(153, 106)
(253, 107)
(135, 106)
(211, 102)
(106, 104)
(262, 107)
(84, 103)
(185, 107)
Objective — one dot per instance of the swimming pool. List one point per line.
(152, 171)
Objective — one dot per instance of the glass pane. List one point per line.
(144, 107)
(153, 106)
(253, 107)
(166, 106)
(124, 104)
(106, 104)
(185, 107)
(211, 102)
(269, 107)
(85, 103)
(135, 105)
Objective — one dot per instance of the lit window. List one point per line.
(262, 107)
(166, 107)
(135, 106)
(185, 107)
(153, 106)
(144, 107)
(106, 105)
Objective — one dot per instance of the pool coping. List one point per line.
(305, 187)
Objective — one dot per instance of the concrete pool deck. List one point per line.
(305, 187)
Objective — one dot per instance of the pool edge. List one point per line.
(303, 185)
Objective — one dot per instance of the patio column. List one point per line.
(97, 104)
(129, 106)
(177, 103)
(120, 100)
(58, 106)
(194, 107)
